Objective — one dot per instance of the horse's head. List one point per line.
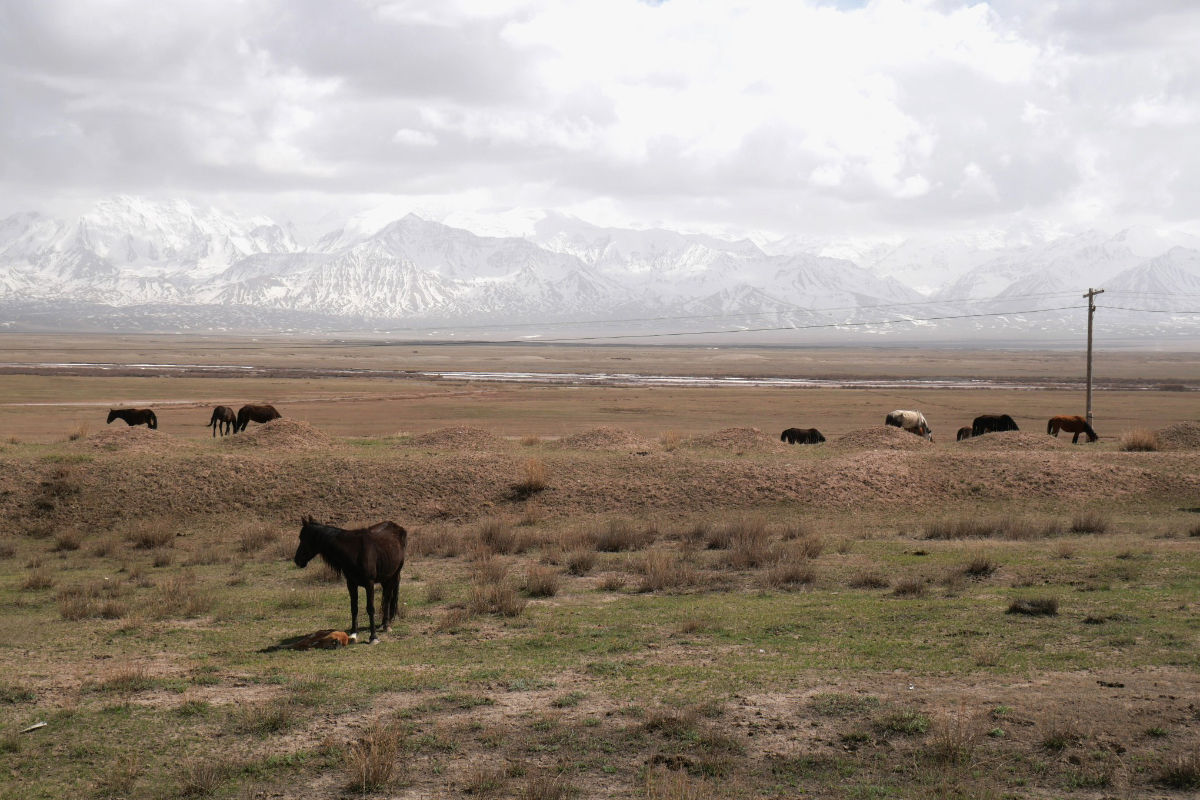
(310, 538)
(112, 414)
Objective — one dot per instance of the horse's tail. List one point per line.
(1091, 434)
(153, 421)
(1050, 426)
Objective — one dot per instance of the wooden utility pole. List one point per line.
(1091, 298)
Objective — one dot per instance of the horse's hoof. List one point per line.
(374, 640)
(388, 629)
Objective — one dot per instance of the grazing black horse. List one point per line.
(364, 557)
(223, 419)
(993, 423)
(965, 432)
(801, 436)
(134, 416)
(248, 414)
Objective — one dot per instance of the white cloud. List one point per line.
(408, 136)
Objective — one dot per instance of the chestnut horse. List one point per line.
(223, 418)
(1075, 425)
(364, 557)
(134, 416)
(248, 414)
(801, 436)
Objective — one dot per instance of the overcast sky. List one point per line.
(888, 116)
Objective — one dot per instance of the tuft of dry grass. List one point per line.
(104, 547)
(182, 595)
(530, 440)
(263, 719)
(910, 587)
(147, 534)
(980, 565)
(200, 778)
(749, 544)
(372, 760)
(1058, 734)
(954, 739)
(1089, 522)
(453, 620)
(484, 781)
(612, 582)
(7, 549)
(38, 579)
(80, 431)
(580, 562)
(68, 541)
(662, 571)
(869, 580)
(742, 528)
(789, 575)
(121, 775)
(497, 598)
(667, 784)
(1181, 773)
(1139, 440)
(541, 581)
(1034, 606)
(127, 679)
(322, 573)
(535, 478)
(544, 786)
(670, 439)
(1005, 527)
(497, 536)
(257, 535)
(618, 535)
(435, 592)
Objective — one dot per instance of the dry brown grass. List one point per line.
(749, 544)
(1139, 440)
(545, 786)
(580, 562)
(118, 779)
(7, 549)
(869, 580)
(980, 565)
(670, 439)
(530, 440)
(68, 541)
(910, 587)
(1181, 772)
(81, 431)
(663, 571)
(200, 778)
(104, 547)
(492, 594)
(182, 595)
(436, 592)
(541, 581)
(371, 762)
(1009, 527)
(955, 739)
(535, 477)
(612, 582)
(98, 599)
(257, 535)
(1089, 522)
(666, 784)
(789, 575)
(618, 535)
(38, 579)
(151, 532)
(453, 620)
(497, 536)
(1034, 606)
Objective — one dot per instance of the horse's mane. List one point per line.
(324, 537)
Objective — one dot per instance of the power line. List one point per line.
(1150, 310)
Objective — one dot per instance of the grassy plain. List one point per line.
(669, 618)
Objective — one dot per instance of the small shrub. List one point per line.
(869, 580)
(910, 587)
(488, 570)
(435, 592)
(7, 550)
(1139, 440)
(498, 537)
(371, 761)
(694, 625)
(672, 723)
(1034, 606)
(670, 440)
(1181, 772)
(1089, 522)
(38, 579)
(810, 546)
(147, 534)
(541, 581)
(580, 562)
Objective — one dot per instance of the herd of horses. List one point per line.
(223, 419)
(914, 422)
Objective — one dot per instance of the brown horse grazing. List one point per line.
(134, 416)
(993, 423)
(248, 414)
(801, 436)
(364, 557)
(223, 418)
(965, 432)
(1075, 425)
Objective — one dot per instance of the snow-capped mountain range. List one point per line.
(141, 264)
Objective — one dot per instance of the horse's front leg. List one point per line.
(1075, 438)
(370, 587)
(353, 589)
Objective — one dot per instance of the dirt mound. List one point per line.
(1184, 436)
(280, 434)
(460, 437)
(1013, 440)
(130, 440)
(605, 438)
(883, 437)
(738, 439)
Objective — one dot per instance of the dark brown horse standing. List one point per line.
(801, 436)
(993, 423)
(223, 419)
(364, 557)
(1075, 425)
(248, 414)
(134, 416)
(965, 432)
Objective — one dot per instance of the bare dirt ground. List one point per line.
(684, 607)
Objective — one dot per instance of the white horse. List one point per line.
(911, 421)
